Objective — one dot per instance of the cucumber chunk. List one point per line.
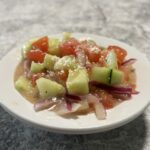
(111, 60)
(49, 61)
(101, 74)
(66, 63)
(116, 77)
(23, 84)
(36, 67)
(66, 36)
(48, 88)
(27, 47)
(54, 46)
(77, 82)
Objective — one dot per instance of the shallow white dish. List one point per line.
(16, 105)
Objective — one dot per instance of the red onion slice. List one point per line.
(117, 89)
(129, 62)
(74, 97)
(43, 104)
(121, 96)
(91, 98)
(69, 106)
(26, 65)
(135, 92)
(100, 111)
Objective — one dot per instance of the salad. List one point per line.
(74, 76)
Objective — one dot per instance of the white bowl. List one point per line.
(19, 107)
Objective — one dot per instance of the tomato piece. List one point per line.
(108, 103)
(120, 52)
(36, 55)
(68, 47)
(93, 56)
(91, 50)
(106, 99)
(126, 71)
(41, 44)
(62, 75)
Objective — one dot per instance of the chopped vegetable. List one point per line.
(129, 62)
(68, 47)
(111, 60)
(120, 52)
(48, 88)
(66, 63)
(23, 84)
(54, 46)
(66, 36)
(44, 104)
(41, 44)
(49, 61)
(77, 82)
(101, 74)
(36, 67)
(35, 55)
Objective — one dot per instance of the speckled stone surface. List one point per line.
(125, 20)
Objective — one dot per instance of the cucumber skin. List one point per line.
(77, 82)
(48, 88)
(101, 74)
(36, 67)
(116, 77)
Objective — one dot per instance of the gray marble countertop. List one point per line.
(125, 20)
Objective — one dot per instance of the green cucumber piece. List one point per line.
(116, 77)
(66, 36)
(27, 47)
(54, 46)
(103, 48)
(49, 61)
(23, 84)
(48, 88)
(100, 74)
(77, 82)
(66, 63)
(36, 67)
(111, 60)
